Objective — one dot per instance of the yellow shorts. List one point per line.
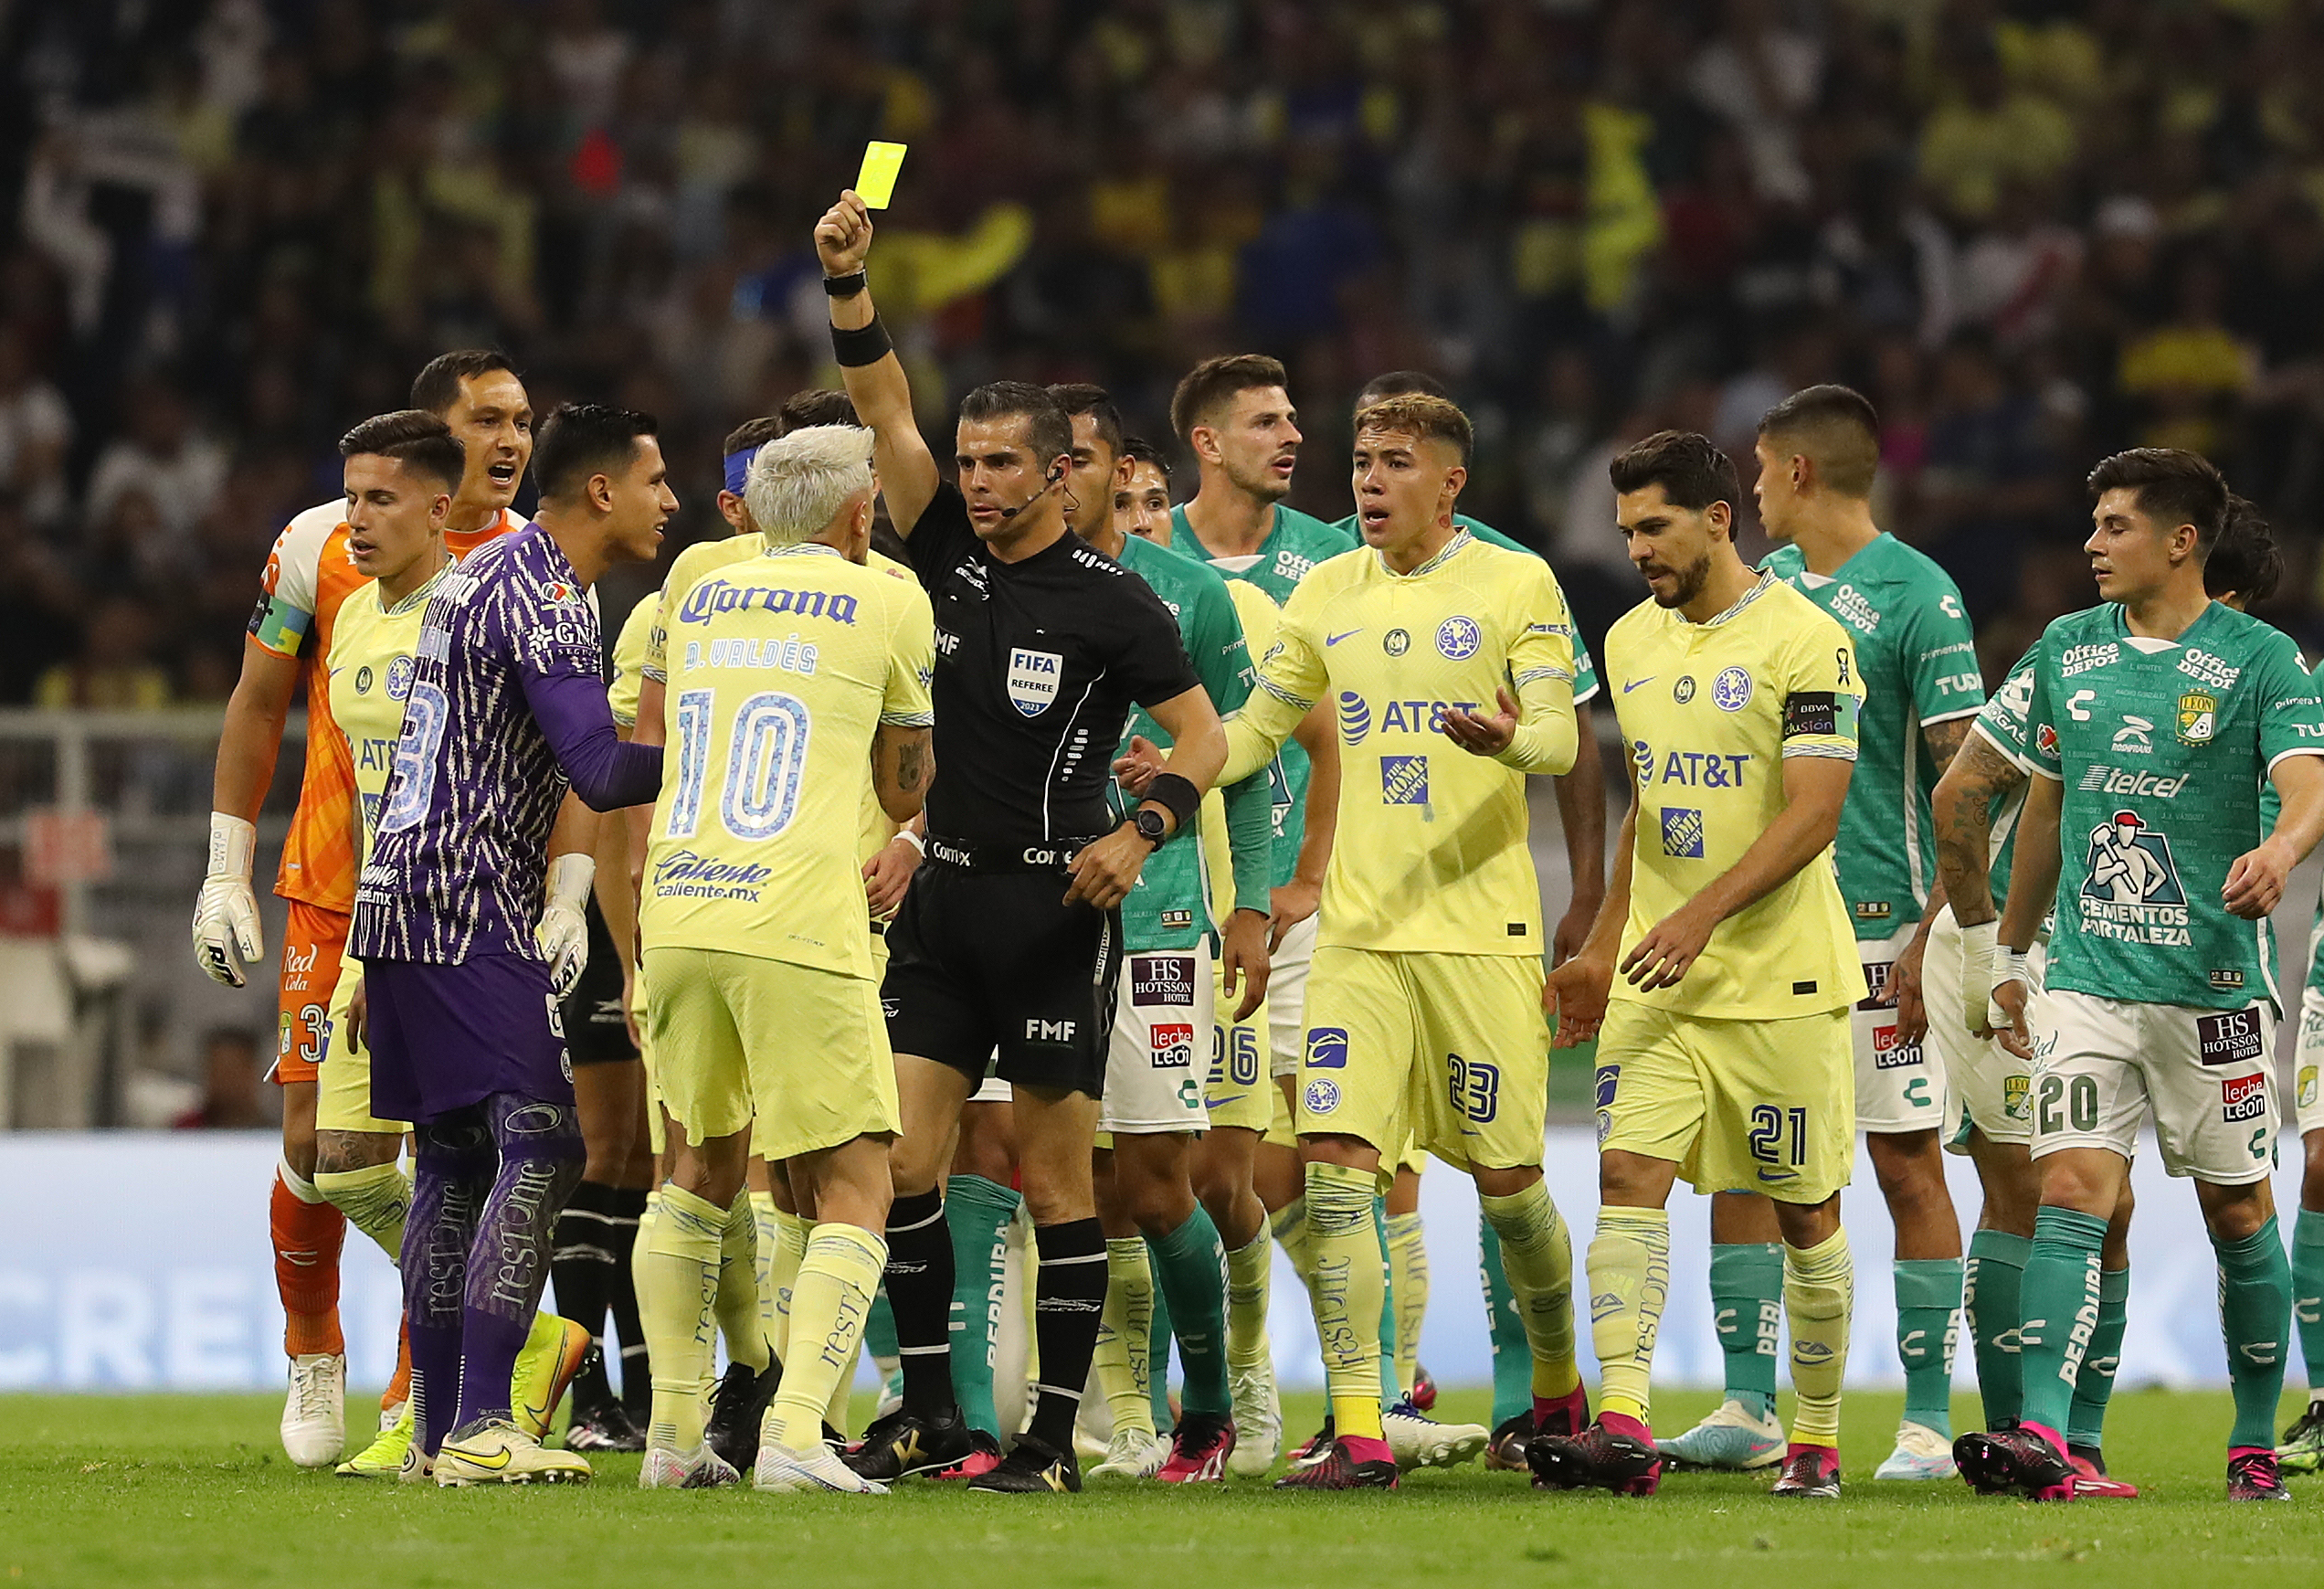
(1282, 1131)
(1240, 1092)
(1448, 1054)
(342, 1080)
(657, 1137)
(1738, 1105)
(797, 1055)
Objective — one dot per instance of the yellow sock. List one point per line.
(1819, 1297)
(1124, 1359)
(1250, 1278)
(1290, 1224)
(782, 1273)
(769, 1236)
(1537, 1255)
(374, 1200)
(678, 1304)
(641, 1242)
(1629, 1283)
(1408, 1283)
(835, 1411)
(1349, 1284)
(829, 1301)
(738, 1286)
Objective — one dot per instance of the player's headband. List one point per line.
(738, 469)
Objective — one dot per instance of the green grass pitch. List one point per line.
(146, 1490)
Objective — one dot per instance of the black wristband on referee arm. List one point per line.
(1177, 796)
(866, 344)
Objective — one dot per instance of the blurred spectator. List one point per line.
(159, 455)
(113, 667)
(229, 1084)
(34, 429)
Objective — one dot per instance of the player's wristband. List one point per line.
(233, 843)
(1978, 944)
(2010, 966)
(912, 839)
(1177, 795)
(847, 286)
(570, 877)
(865, 344)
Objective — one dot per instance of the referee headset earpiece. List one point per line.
(1054, 478)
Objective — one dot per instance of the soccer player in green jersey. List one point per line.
(2156, 720)
(1818, 451)
(1582, 817)
(1156, 1073)
(1988, 1089)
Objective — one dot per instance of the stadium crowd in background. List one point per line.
(2033, 231)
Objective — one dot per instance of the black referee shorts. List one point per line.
(980, 961)
(595, 1029)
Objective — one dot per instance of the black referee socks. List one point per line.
(919, 1281)
(1068, 1298)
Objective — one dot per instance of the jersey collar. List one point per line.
(417, 598)
(1460, 537)
(799, 548)
(1766, 579)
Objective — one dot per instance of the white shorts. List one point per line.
(2204, 1075)
(2308, 1062)
(1900, 1086)
(1287, 998)
(1986, 1085)
(1159, 1064)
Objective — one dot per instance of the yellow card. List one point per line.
(875, 183)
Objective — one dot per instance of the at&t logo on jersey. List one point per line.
(1681, 833)
(1033, 679)
(1458, 638)
(1355, 717)
(1404, 780)
(2130, 889)
(1173, 1045)
(1357, 720)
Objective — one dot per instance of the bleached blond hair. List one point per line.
(797, 484)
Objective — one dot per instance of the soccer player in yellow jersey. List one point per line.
(1423, 1018)
(791, 672)
(1725, 1054)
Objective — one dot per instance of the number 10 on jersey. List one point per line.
(766, 756)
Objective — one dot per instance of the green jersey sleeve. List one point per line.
(1940, 656)
(2291, 717)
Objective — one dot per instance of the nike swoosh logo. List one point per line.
(1336, 639)
(476, 1461)
(1633, 684)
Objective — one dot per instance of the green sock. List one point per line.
(1392, 1388)
(879, 1332)
(1512, 1355)
(1928, 1293)
(1746, 1307)
(2086, 1423)
(2255, 1312)
(978, 1212)
(1992, 1283)
(2061, 1293)
(1158, 1356)
(1190, 1270)
(2307, 1292)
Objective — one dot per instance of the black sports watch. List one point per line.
(1150, 825)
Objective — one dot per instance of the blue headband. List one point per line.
(738, 469)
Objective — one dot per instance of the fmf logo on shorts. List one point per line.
(1173, 1045)
(2243, 1098)
(1327, 1048)
(1162, 979)
(1039, 1031)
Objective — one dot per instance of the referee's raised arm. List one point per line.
(869, 367)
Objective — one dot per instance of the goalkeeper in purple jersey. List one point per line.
(506, 711)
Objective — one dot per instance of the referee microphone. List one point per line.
(1055, 475)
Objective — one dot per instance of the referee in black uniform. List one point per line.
(1009, 940)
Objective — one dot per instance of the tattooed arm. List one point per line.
(1963, 807)
(1944, 741)
(903, 762)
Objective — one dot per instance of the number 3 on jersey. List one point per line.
(765, 758)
